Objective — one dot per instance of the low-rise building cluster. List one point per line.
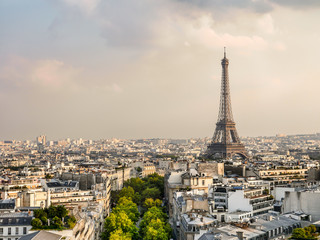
(264, 197)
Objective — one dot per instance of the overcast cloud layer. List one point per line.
(148, 68)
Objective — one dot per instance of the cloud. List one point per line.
(20, 72)
(13, 72)
(297, 4)
(222, 7)
(266, 23)
(203, 34)
(53, 73)
(85, 6)
(152, 58)
(141, 24)
(116, 88)
(129, 23)
(145, 23)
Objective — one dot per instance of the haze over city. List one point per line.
(147, 68)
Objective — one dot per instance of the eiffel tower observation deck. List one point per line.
(225, 142)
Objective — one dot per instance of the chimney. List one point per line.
(240, 235)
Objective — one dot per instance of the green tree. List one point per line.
(52, 211)
(153, 213)
(127, 192)
(137, 198)
(154, 180)
(48, 176)
(129, 207)
(310, 232)
(156, 231)
(119, 235)
(71, 222)
(119, 220)
(299, 233)
(44, 220)
(149, 202)
(313, 228)
(36, 223)
(38, 213)
(136, 183)
(57, 223)
(153, 193)
(61, 211)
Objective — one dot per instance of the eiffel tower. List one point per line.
(225, 142)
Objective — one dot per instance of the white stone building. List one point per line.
(14, 225)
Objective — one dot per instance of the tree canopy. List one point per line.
(53, 218)
(149, 202)
(153, 214)
(129, 207)
(147, 193)
(305, 233)
(119, 220)
(155, 230)
(119, 235)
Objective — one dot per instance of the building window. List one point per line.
(203, 182)
(24, 230)
(9, 231)
(17, 231)
(1, 231)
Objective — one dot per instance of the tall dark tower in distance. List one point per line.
(225, 142)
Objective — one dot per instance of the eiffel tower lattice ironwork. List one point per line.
(225, 142)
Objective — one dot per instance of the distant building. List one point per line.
(41, 140)
(148, 169)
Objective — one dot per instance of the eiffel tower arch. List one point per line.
(225, 142)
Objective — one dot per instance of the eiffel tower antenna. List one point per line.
(225, 142)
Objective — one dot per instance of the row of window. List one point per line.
(197, 183)
(10, 230)
(12, 220)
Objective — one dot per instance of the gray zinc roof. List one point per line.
(41, 235)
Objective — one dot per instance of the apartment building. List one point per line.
(252, 200)
(14, 225)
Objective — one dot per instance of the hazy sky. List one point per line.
(151, 68)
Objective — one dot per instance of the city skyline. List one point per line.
(145, 69)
